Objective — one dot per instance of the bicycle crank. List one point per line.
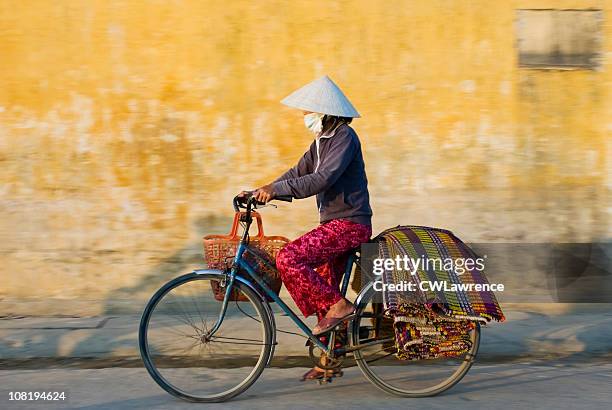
(321, 360)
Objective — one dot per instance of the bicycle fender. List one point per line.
(358, 302)
(362, 293)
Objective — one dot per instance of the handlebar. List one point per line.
(284, 198)
(248, 202)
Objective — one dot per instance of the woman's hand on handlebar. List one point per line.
(264, 194)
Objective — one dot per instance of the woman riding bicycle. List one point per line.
(332, 169)
(203, 348)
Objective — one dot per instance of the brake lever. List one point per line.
(265, 205)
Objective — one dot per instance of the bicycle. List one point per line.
(235, 340)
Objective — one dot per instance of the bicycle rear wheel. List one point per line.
(190, 366)
(404, 378)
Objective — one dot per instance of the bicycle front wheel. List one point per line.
(191, 366)
(404, 378)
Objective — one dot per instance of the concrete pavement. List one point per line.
(486, 386)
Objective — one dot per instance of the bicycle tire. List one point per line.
(386, 387)
(257, 301)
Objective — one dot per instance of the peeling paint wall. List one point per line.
(126, 128)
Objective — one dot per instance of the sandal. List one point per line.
(327, 324)
(316, 374)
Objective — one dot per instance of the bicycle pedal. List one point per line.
(325, 380)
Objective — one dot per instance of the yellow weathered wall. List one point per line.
(126, 128)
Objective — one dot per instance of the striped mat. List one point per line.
(433, 243)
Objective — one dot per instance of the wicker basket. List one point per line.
(219, 251)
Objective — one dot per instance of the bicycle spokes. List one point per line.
(186, 359)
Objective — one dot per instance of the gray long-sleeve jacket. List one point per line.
(334, 171)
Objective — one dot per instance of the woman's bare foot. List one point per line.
(336, 313)
(341, 308)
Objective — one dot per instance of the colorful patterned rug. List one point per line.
(430, 324)
(422, 334)
(433, 244)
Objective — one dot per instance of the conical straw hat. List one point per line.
(322, 96)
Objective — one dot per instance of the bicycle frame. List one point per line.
(370, 326)
(239, 262)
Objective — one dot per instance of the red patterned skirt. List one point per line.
(312, 265)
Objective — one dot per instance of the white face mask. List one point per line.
(314, 122)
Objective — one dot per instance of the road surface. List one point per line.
(497, 386)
